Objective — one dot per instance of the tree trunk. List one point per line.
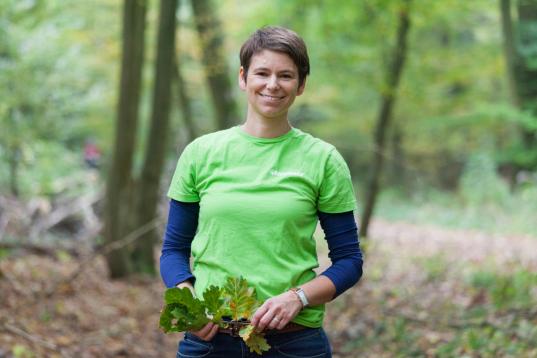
(119, 185)
(14, 160)
(210, 33)
(385, 114)
(148, 192)
(184, 101)
(509, 48)
(520, 56)
(398, 157)
(526, 73)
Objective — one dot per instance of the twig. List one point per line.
(32, 338)
(4, 220)
(12, 281)
(37, 249)
(104, 250)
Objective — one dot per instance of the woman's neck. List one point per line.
(266, 127)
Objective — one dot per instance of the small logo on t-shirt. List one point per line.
(290, 173)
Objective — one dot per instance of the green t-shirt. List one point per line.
(259, 199)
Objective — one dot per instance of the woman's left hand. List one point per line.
(276, 312)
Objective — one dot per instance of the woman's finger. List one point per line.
(282, 323)
(275, 322)
(258, 314)
(204, 332)
(212, 333)
(266, 320)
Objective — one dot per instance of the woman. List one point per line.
(245, 202)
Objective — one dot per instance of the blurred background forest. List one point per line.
(432, 104)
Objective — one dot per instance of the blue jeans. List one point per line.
(306, 343)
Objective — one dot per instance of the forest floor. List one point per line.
(426, 292)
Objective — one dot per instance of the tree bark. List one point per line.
(184, 101)
(519, 39)
(509, 48)
(216, 70)
(14, 160)
(525, 72)
(398, 169)
(148, 192)
(385, 114)
(119, 185)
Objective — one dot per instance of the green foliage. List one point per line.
(240, 298)
(513, 291)
(498, 321)
(53, 91)
(498, 211)
(188, 312)
(184, 312)
(480, 185)
(489, 343)
(256, 342)
(20, 351)
(434, 266)
(215, 303)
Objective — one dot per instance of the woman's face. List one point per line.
(271, 84)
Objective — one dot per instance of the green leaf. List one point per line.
(177, 295)
(182, 312)
(255, 341)
(240, 298)
(166, 319)
(189, 318)
(215, 303)
(246, 332)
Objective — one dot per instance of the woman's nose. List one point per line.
(272, 82)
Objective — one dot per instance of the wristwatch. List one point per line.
(301, 295)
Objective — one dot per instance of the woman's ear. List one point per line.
(301, 88)
(242, 81)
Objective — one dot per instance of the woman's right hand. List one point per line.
(188, 285)
(207, 332)
(210, 329)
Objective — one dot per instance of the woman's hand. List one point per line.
(188, 285)
(210, 329)
(207, 332)
(277, 311)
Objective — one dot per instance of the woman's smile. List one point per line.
(271, 97)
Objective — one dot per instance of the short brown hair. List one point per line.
(277, 39)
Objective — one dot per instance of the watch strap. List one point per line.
(301, 296)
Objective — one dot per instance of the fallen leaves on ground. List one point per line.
(414, 289)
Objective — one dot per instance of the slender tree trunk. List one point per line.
(385, 114)
(526, 73)
(183, 100)
(149, 184)
(216, 70)
(14, 160)
(519, 41)
(398, 156)
(509, 48)
(118, 198)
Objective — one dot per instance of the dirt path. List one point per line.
(459, 246)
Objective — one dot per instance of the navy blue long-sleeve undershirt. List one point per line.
(340, 232)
